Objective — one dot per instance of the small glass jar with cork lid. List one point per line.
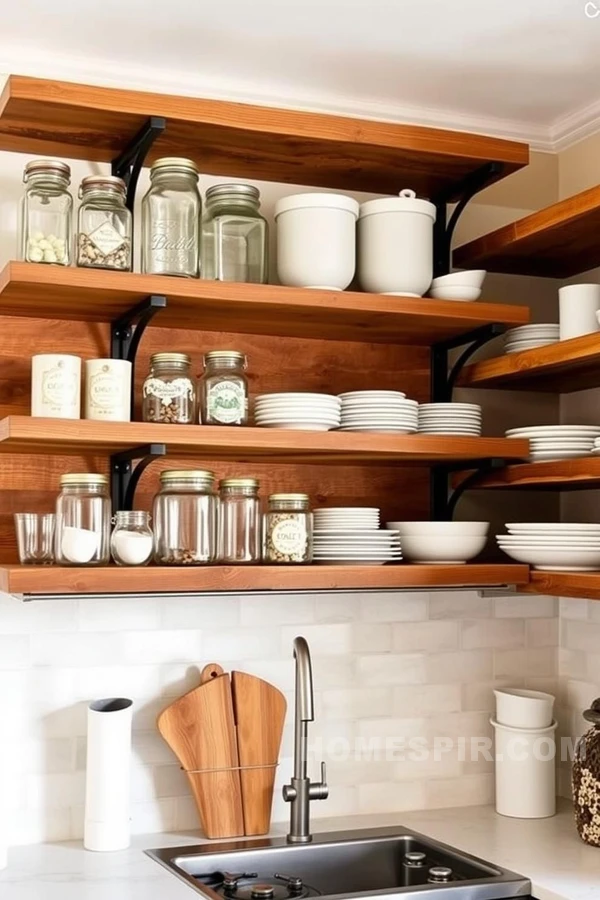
(224, 389)
(104, 224)
(288, 529)
(169, 392)
(46, 213)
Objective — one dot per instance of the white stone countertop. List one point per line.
(547, 851)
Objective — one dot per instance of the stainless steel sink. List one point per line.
(340, 865)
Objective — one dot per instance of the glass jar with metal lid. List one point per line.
(169, 391)
(104, 224)
(171, 213)
(185, 518)
(235, 237)
(224, 389)
(46, 232)
(288, 529)
(132, 541)
(240, 534)
(82, 536)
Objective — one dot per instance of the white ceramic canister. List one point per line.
(108, 390)
(56, 386)
(316, 240)
(578, 306)
(525, 771)
(395, 245)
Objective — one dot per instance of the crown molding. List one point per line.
(575, 127)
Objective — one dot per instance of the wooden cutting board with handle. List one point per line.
(260, 715)
(200, 729)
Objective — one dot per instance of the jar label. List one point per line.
(226, 402)
(289, 537)
(105, 390)
(167, 391)
(106, 238)
(60, 386)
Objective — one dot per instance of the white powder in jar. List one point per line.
(79, 545)
(131, 547)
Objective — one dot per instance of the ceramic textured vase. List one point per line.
(586, 779)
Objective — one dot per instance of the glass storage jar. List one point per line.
(224, 389)
(46, 213)
(235, 236)
(240, 535)
(171, 219)
(104, 224)
(288, 529)
(132, 541)
(185, 519)
(83, 516)
(169, 391)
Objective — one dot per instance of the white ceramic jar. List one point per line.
(395, 245)
(316, 240)
(108, 390)
(56, 386)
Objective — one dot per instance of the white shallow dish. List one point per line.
(557, 528)
(554, 559)
(365, 395)
(305, 396)
(354, 562)
(299, 426)
(380, 429)
(549, 455)
(447, 407)
(440, 529)
(554, 431)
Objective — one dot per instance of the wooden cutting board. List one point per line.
(260, 715)
(200, 729)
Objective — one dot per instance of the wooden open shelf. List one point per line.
(33, 290)
(235, 139)
(566, 366)
(564, 475)
(585, 585)
(50, 580)
(23, 434)
(556, 242)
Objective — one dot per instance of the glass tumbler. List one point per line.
(35, 538)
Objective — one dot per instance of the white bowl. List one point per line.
(553, 558)
(440, 529)
(440, 550)
(470, 277)
(465, 293)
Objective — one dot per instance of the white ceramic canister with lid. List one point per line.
(395, 245)
(108, 390)
(56, 386)
(316, 240)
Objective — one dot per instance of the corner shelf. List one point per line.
(52, 580)
(584, 585)
(22, 434)
(30, 290)
(556, 242)
(578, 474)
(566, 366)
(236, 139)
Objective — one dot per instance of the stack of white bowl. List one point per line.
(459, 285)
(526, 337)
(463, 419)
(525, 754)
(553, 547)
(441, 543)
(351, 536)
(386, 412)
(298, 411)
(547, 442)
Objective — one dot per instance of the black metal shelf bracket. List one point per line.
(443, 230)
(127, 331)
(444, 500)
(125, 477)
(128, 164)
(443, 378)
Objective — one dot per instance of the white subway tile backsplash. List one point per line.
(542, 633)
(492, 633)
(354, 703)
(403, 606)
(397, 668)
(391, 797)
(159, 647)
(324, 640)
(15, 651)
(202, 612)
(463, 665)
(573, 608)
(294, 610)
(582, 636)
(459, 605)
(525, 606)
(430, 636)
(426, 699)
(540, 662)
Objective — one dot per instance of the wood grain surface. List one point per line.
(585, 585)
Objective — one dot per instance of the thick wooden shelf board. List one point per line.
(564, 475)
(55, 580)
(556, 242)
(38, 116)
(585, 585)
(566, 366)
(23, 434)
(56, 292)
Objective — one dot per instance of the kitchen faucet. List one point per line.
(301, 791)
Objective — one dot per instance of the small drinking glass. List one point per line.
(35, 538)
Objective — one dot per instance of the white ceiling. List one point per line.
(523, 68)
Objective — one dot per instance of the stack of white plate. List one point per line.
(548, 442)
(567, 547)
(350, 536)
(529, 336)
(596, 447)
(298, 411)
(463, 419)
(387, 412)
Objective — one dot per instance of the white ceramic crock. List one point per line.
(316, 240)
(525, 771)
(395, 245)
